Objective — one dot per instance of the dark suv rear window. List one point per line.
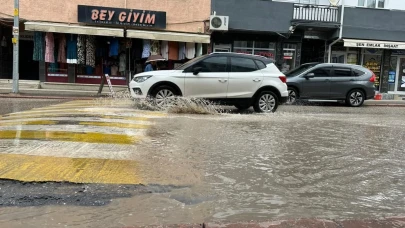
(358, 72)
(260, 64)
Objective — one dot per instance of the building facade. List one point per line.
(79, 41)
(294, 32)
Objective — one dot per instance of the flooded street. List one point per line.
(328, 162)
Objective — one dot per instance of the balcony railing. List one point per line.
(316, 13)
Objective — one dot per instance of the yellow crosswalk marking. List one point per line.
(34, 122)
(44, 115)
(113, 124)
(76, 170)
(89, 137)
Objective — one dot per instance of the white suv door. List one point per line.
(245, 77)
(211, 80)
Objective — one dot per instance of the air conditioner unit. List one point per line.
(219, 23)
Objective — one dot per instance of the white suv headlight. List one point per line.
(140, 79)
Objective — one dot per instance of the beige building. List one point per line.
(161, 27)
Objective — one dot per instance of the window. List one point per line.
(371, 3)
(358, 72)
(260, 64)
(263, 48)
(242, 65)
(213, 64)
(342, 72)
(321, 72)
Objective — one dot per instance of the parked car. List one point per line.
(331, 81)
(241, 80)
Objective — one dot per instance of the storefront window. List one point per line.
(373, 63)
(392, 73)
(401, 78)
(371, 3)
(352, 58)
(289, 53)
(266, 49)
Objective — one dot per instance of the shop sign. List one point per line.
(398, 52)
(373, 44)
(121, 17)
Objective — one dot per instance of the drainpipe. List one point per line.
(342, 13)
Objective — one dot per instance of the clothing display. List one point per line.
(90, 51)
(122, 64)
(190, 50)
(53, 67)
(81, 49)
(49, 48)
(114, 70)
(199, 50)
(155, 48)
(72, 50)
(182, 51)
(164, 50)
(38, 54)
(62, 49)
(114, 47)
(146, 49)
(173, 50)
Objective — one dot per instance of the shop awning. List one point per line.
(73, 29)
(168, 36)
(373, 44)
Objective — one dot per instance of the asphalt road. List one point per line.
(105, 163)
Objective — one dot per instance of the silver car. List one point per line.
(331, 81)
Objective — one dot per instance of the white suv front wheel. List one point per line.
(266, 102)
(163, 96)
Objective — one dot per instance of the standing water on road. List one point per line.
(303, 161)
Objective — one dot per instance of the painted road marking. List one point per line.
(74, 122)
(89, 137)
(76, 170)
(89, 110)
(103, 116)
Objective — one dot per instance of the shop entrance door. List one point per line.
(400, 80)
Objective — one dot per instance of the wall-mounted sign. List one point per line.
(121, 17)
(373, 44)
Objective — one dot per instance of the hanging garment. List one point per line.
(182, 51)
(173, 50)
(114, 70)
(38, 54)
(146, 49)
(62, 49)
(190, 50)
(114, 47)
(122, 63)
(53, 67)
(155, 47)
(164, 50)
(90, 51)
(81, 49)
(199, 50)
(49, 49)
(72, 50)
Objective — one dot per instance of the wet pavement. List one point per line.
(328, 162)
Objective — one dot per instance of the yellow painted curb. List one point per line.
(76, 170)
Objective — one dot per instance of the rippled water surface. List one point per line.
(325, 162)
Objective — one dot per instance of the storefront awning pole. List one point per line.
(15, 46)
(342, 13)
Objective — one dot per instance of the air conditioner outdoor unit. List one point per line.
(219, 23)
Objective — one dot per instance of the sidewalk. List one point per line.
(49, 90)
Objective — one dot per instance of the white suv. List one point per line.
(235, 79)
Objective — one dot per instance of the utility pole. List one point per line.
(16, 33)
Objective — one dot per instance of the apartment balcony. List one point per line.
(316, 13)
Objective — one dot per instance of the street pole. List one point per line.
(16, 32)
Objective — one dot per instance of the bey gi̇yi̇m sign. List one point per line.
(122, 17)
(373, 44)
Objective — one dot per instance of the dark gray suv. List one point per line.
(331, 81)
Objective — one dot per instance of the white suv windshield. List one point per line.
(189, 63)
